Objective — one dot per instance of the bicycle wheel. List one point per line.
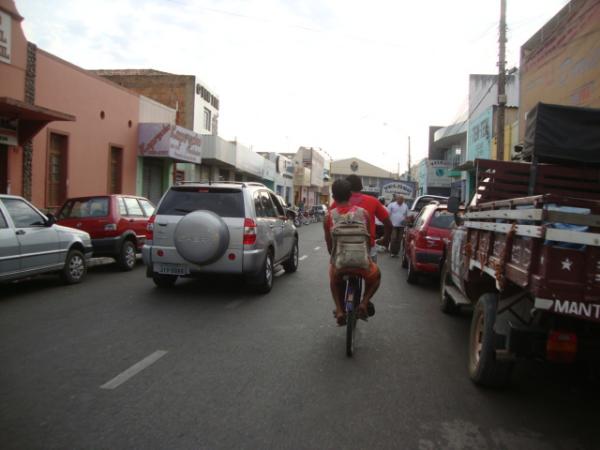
(353, 293)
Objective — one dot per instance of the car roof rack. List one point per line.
(210, 183)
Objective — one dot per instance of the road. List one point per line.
(116, 363)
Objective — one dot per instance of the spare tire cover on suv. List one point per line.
(201, 237)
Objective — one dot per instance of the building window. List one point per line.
(56, 178)
(115, 170)
(207, 119)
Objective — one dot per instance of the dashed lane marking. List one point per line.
(317, 248)
(234, 304)
(133, 370)
(302, 258)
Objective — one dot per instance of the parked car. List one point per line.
(116, 223)
(31, 243)
(424, 241)
(230, 228)
(421, 201)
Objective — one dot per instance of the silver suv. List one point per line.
(229, 228)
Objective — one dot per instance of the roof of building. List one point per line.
(132, 72)
(345, 167)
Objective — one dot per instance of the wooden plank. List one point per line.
(592, 220)
(521, 230)
(509, 214)
(573, 237)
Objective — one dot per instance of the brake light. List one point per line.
(249, 231)
(561, 347)
(150, 228)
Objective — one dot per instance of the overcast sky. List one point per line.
(353, 78)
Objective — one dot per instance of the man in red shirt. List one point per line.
(371, 275)
(374, 208)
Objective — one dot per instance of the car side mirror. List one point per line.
(291, 214)
(50, 220)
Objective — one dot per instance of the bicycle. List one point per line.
(353, 294)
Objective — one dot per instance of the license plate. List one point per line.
(172, 269)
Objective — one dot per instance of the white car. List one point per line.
(31, 243)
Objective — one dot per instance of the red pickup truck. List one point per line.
(527, 257)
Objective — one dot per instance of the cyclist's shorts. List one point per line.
(370, 275)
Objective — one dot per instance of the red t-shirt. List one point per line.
(373, 207)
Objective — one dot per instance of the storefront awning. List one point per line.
(30, 118)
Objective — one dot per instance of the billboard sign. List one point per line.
(404, 188)
(479, 136)
(169, 141)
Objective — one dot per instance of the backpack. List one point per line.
(351, 239)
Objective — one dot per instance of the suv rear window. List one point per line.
(442, 219)
(223, 202)
(87, 207)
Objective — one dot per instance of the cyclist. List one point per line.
(375, 210)
(341, 191)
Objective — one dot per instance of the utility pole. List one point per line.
(409, 178)
(501, 84)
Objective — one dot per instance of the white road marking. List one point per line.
(234, 304)
(317, 248)
(133, 370)
(281, 272)
(302, 258)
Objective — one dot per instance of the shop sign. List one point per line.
(5, 35)
(404, 188)
(8, 131)
(479, 136)
(169, 141)
(438, 173)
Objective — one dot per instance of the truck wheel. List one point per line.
(447, 305)
(127, 258)
(411, 276)
(75, 267)
(164, 281)
(484, 369)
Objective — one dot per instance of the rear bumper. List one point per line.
(428, 261)
(233, 261)
(530, 342)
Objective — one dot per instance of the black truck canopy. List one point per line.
(558, 133)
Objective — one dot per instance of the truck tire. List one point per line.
(484, 368)
(447, 305)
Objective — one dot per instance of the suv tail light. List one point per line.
(150, 228)
(249, 231)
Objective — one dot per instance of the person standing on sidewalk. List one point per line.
(398, 213)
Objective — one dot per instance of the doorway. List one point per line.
(3, 169)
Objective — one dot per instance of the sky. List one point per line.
(356, 79)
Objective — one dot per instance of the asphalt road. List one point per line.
(116, 363)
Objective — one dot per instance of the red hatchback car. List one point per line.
(424, 241)
(116, 224)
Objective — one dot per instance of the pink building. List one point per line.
(64, 132)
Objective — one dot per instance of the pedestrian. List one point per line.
(398, 213)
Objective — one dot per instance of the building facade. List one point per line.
(375, 180)
(69, 132)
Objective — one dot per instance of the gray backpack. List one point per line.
(351, 239)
